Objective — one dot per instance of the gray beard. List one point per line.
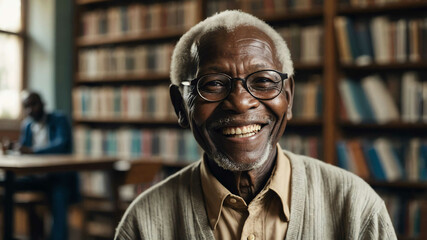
(226, 163)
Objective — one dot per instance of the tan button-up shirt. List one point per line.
(266, 216)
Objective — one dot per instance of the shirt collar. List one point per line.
(281, 180)
(215, 193)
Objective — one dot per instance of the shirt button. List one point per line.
(251, 237)
(233, 200)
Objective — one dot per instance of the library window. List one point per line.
(11, 60)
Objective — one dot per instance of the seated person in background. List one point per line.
(43, 132)
(49, 133)
(232, 85)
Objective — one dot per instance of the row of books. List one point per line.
(262, 7)
(371, 99)
(408, 215)
(128, 102)
(129, 192)
(95, 183)
(119, 61)
(369, 3)
(384, 159)
(381, 40)
(305, 145)
(308, 99)
(129, 143)
(304, 42)
(138, 19)
(98, 184)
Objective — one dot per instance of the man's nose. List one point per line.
(239, 100)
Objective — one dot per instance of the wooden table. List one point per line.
(124, 171)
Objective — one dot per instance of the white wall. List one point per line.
(50, 64)
(40, 61)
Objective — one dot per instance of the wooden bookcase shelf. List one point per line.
(144, 37)
(383, 9)
(400, 185)
(398, 130)
(386, 126)
(308, 67)
(124, 78)
(305, 123)
(292, 15)
(120, 120)
(384, 67)
(407, 238)
(84, 2)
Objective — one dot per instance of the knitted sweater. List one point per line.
(326, 203)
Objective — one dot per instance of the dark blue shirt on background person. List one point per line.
(59, 135)
(49, 133)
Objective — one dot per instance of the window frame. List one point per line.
(14, 124)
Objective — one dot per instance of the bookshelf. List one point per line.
(314, 133)
(170, 34)
(396, 63)
(121, 65)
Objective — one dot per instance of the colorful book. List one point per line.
(343, 158)
(373, 161)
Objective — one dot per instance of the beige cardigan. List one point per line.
(326, 203)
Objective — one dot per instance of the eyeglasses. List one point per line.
(262, 85)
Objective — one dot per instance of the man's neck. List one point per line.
(246, 184)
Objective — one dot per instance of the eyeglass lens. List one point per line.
(262, 85)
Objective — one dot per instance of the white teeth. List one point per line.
(244, 131)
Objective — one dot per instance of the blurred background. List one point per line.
(360, 98)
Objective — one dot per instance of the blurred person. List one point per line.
(48, 133)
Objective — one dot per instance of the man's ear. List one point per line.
(289, 91)
(178, 105)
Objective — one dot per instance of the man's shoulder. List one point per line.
(177, 184)
(321, 173)
(334, 186)
(327, 190)
(315, 165)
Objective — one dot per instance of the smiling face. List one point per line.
(240, 132)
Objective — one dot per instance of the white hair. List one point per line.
(183, 64)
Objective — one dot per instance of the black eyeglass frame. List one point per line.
(283, 76)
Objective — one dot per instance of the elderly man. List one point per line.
(232, 85)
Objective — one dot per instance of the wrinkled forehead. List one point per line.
(241, 40)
